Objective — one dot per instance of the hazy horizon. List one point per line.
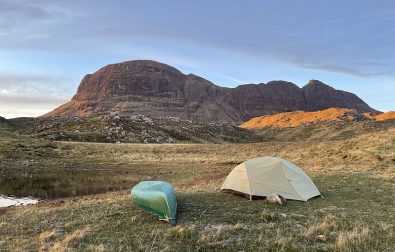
(48, 46)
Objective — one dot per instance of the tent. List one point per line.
(263, 176)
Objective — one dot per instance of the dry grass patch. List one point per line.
(324, 230)
(351, 240)
(68, 238)
(185, 232)
(47, 238)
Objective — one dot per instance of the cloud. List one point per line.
(340, 69)
(326, 35)
(232, 79)
(24, 22)
(12, 80)
(22, 111)
(16, 105)
(25, 94)
(12, 99)
(16, 13)
(25, 9)
(25, 85)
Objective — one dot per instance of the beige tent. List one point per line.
(263, 176)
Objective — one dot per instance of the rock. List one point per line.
(53, 137)
(275, 199)
(321, 238)
(158, 90)
(379, 158)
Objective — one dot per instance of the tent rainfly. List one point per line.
(263, 176)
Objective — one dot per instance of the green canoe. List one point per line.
(156, 197)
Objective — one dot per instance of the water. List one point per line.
(7, 201)
(52, 185)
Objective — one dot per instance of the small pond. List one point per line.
(52, 185)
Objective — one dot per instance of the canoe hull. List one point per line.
(156, 197)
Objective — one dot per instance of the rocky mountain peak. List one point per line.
(156, 89)
(315, 82)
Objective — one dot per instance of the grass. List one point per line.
(355, 176)
(324, 131)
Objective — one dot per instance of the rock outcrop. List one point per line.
(155, 89)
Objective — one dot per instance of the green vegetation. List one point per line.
(355, 176)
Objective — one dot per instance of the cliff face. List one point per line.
(319, 96)
(158, 90)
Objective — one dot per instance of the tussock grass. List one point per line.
(348, 240)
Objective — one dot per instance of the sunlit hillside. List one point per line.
(294, 119)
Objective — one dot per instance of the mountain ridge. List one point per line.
(156, 89)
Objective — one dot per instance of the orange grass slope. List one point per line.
(294, 119)
(385, 116)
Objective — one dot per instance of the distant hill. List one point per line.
(115, 128)
(330, 124)
(294, 119)
(384, 116)
(158, 90)
(297, 118)
(3, 123)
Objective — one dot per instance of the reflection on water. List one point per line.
(46, 185)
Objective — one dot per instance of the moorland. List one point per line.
(86, 203)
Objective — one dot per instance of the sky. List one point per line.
(47, 46)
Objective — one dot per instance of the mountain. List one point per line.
(158, 90)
